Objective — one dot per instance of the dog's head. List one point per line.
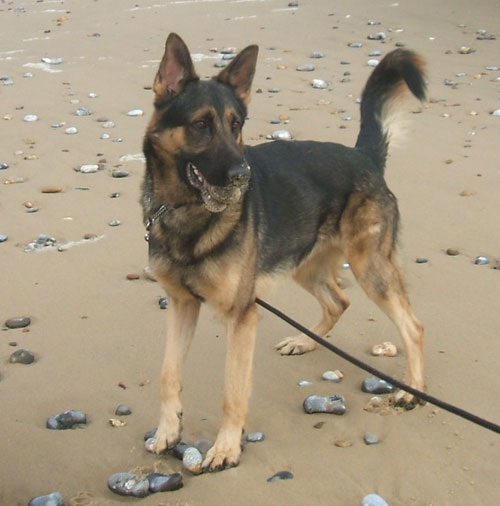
(198, 124)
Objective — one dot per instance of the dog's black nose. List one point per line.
(239, 171)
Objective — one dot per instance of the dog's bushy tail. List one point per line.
(399, 70)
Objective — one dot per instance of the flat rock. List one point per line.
(66, 420)
(281, 475)
(18, 322)
(129, 484)
(373, 385)
(22, 357)
(333, 404)
(164, 482)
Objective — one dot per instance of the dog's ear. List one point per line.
(176, 69)
(239, 73)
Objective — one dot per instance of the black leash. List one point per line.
(362, 365)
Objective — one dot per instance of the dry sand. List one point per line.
(92, 328)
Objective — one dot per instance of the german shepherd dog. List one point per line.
(224, 219)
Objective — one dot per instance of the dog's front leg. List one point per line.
(182, 316)
(237, 383)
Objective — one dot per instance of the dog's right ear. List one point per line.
(175, 71)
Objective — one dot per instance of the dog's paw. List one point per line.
(295, 345)
(220, 458)
(165, 440)
(406, 400)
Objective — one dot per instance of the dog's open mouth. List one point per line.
(215, 198)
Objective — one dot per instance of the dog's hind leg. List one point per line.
(317, 274)
(372, 258)
(182, 316)
(237, 382)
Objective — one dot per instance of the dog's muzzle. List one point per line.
(217, 198)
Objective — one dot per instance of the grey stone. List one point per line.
(53, 499)
(373, 500)
(164, 482)
(255, 437)
(373, 385)
(129, 484)
(333, 404)
(123, 410)
(281, 475)
(22, 357)
(66, 420)
(18, 322)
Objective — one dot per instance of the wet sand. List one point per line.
(93, 330)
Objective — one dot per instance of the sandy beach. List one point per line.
(98, 336)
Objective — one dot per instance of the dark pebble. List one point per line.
(377, 386)
(3, 237)
(164, 482)
(149, 434)
(22, 357)
(452, 252)
(66, 420)
(4, 165)
(18, 322)
(179, 450)
(163, 302)
(333, 404)
(119, 173)
(129, 484)
(114, 195)
(53, 499)
(421, 260)
(281, 475)
(123, 410)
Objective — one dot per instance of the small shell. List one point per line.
(386, 349)
(114, 422)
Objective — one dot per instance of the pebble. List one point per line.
(355, 45)
(281, 135)
(273, 90)
(3, 237)
(343, 443)
(71, 130)
(255, 437)
(421, 260)
(481, 260)
(22, 357)
(135, 113)
(221, 63)
(119, 173)
(373, 500)
(88, 168)
(53, 499)
(149, 434)
(192, 459)
(18, 322)
(333, 404)
(83, 111)
(496, 112)
(4, 165)
(333, 376)
(452, 252)
(374, 53)
(317, 54)
(386, 349)
(371, 439)
(52, 61)
(377, 36)
(304, 383)
(108, 124)
(66, 420)
(164, 482)
(306, 67)
(163, 302)
(373, 385)
(105, 136)
(114, 223)
(51, 189)
(123, 410)
(281, 475)
(30, 118)
(129, 484)
(179, 449)
(319, 84)
(373, 62)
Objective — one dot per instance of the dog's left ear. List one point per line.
(239, 73)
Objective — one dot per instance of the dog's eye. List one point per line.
(201, 124)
